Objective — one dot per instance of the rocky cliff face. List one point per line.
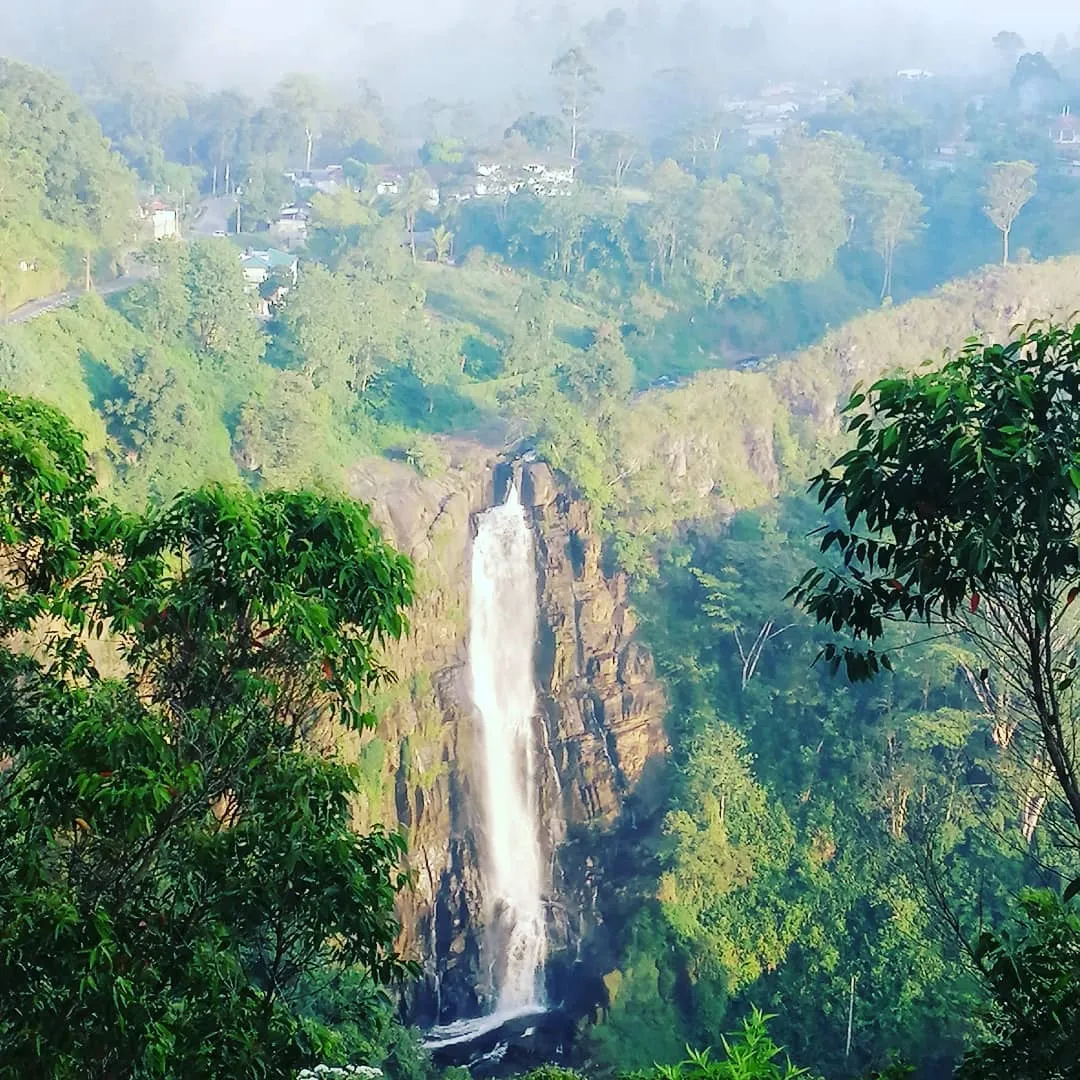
(601, 724)
(602, 703)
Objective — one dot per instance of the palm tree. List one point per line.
(415, 198)
(442, 242)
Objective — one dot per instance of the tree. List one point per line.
(577, 87)
(1009, 189)
(412, 202)
(1036, 83)
(442, 244)
(265, 191)
(726, 840)
(1009, 45)
(341, 328)
(445, 150)
(613, 153)
(540, 132)
(322, 326)
(284, 432)
(222, 314)
(812, 218)
(1033, 973)
(218, 131)
(300, 101)
(62, 189)
(178, 858)
(749, 1054)
(668, 218)
(897, 218)
(735, 237)
(602, 377)
(961, 503)
(162, 305)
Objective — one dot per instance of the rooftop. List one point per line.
(270, 258)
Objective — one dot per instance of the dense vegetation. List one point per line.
(829, 853)
(181, 877)
(67, 202)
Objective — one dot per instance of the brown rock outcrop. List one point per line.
(602, 707)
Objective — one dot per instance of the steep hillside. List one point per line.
(65, 197)
(727, 442)
(731, 440)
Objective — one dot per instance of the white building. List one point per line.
(164, 224)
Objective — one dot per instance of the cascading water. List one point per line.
(501, 643)
(503, 614)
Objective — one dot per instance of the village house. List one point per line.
(259, 265)
(291, 226)
(388, 181)
(1065, 132)
(545, 178)
(163, 220)
(326, 180)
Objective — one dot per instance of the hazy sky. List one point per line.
(500, 48)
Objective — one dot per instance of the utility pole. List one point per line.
(850, 1018)
(228, 169)
(238, 219)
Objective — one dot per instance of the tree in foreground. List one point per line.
(748, 1054)
(960, 510)
(961, 506)
(177, 860)
(1034, 972)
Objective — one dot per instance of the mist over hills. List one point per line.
(497, 55)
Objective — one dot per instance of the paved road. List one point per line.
(214, 215)
(66, 299)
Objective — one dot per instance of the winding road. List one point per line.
(45, 304)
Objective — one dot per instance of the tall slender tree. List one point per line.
(1009, 189)
(896, 219)
(578, 88)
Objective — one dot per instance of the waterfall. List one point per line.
(501, 642)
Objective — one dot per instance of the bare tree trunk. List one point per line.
(1005, 246)
(310, 135)
(898, 800)
(850, 1018)
(1033, 801)
(752, 657)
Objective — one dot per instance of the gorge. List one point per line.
(600, 776)
(527, 720)
(399, 673)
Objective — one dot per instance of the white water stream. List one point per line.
(502, 636)
(501, 642)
